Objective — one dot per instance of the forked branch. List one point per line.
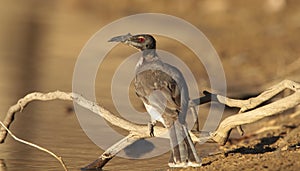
(222, 133)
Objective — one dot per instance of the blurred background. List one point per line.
(257, 41)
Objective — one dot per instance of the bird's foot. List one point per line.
(151, 128)
(195, 128)
(184, 164)
(178, 165)
(194, 164)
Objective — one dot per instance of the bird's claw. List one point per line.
(151, 129)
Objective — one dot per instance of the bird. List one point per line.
(164, 93)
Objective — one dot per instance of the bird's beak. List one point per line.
(127, 39)
(122, 39)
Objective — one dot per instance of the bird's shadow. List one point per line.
(139, 148)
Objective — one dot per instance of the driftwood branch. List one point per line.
(21, 104)
(35, 146)
(246, 115)
(222, 133)
(112, 152)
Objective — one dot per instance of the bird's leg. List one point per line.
(193, 158)
(195, 115)
(175, 158)
(151, 128)
(179, 152)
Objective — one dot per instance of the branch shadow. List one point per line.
(259, 148)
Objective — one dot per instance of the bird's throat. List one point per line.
(149, 55)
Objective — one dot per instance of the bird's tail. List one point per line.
(183, 150)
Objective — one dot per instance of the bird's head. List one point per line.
(141, 41)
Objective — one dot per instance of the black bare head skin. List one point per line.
(142, 42)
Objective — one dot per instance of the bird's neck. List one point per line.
(149, 55)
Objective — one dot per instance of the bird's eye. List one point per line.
(141, 39)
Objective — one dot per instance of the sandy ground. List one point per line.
(276, 149)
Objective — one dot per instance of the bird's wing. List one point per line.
(159, 90)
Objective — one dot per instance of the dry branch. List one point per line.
(112, 152)
(222, 133)
(21, 104)
(136, 132)
(35, 146)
